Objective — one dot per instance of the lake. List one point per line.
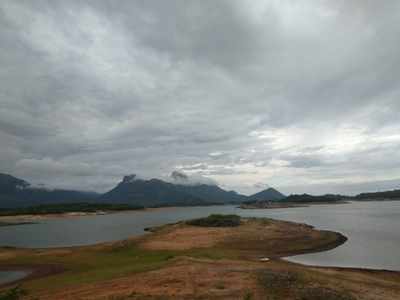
(373, 229)
(10, 276)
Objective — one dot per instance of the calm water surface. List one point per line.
(373, 229)
(10, 276)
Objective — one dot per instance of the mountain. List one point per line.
(10, 184)
(15, 192)
(148, 193)
(269, 194)
(156, 192)
(388, 195)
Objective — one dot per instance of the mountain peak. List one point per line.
(10, 183)
(179, 176)
(129, 178)
(269, 194)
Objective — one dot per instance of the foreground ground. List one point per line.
(190, 262)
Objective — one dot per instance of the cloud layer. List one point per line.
(302, 96)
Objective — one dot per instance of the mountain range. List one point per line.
(156, 192)
(15, 192)
(180, 190)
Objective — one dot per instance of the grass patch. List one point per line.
(15, 293)
(216, 220)
(92, 265)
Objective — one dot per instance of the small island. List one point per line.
(218, 257)
(291, 201)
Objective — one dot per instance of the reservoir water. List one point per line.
(10, 276)
(373, 229)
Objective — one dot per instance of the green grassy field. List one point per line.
(92, 264)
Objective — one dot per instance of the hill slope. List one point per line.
(15, 192)
(387, 195)
(269, 194)
(156, 192)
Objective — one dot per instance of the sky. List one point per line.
(303, 96)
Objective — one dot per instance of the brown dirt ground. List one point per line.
(189, 278)
(239, 277)
(254, 238)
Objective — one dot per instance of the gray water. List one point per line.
(373, 229)
(10, 276)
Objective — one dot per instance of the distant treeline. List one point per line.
(331, 198)
(216, 220)
(395, 194)
(310, 198)
(66, 208)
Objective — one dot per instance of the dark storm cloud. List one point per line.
(250, 93)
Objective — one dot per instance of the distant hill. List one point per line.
(148, 193)
(181, 191)
(306, 198)
(388, 195)
(10, 184)
(289, 201)
(212, 193)
(15, 192)
(269, 194)
(156, 192)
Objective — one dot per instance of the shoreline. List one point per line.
(43, 270)
(33, 272)
(262, 205)
(25, 218)
(256, 245)
(31, 218)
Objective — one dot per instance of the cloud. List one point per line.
(178, 177)
(282, 92)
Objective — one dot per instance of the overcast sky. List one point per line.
(303, 96)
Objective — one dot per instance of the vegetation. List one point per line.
(2, 224)
(310, 198)
(92, 264)
(216, 220)
(395, 194)
(67, 207)
(216, 270)
(15, 293)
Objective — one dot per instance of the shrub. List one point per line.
(216, 221)
(13, 294)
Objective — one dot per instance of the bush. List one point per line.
(216, 221)
(13, 294)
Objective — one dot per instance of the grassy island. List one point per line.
(219, 257)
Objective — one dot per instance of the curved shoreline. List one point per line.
(34, 272)
(44, 270)
(341, 239)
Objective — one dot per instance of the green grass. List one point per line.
(15, 293)
(103, 262)
(92, 265)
